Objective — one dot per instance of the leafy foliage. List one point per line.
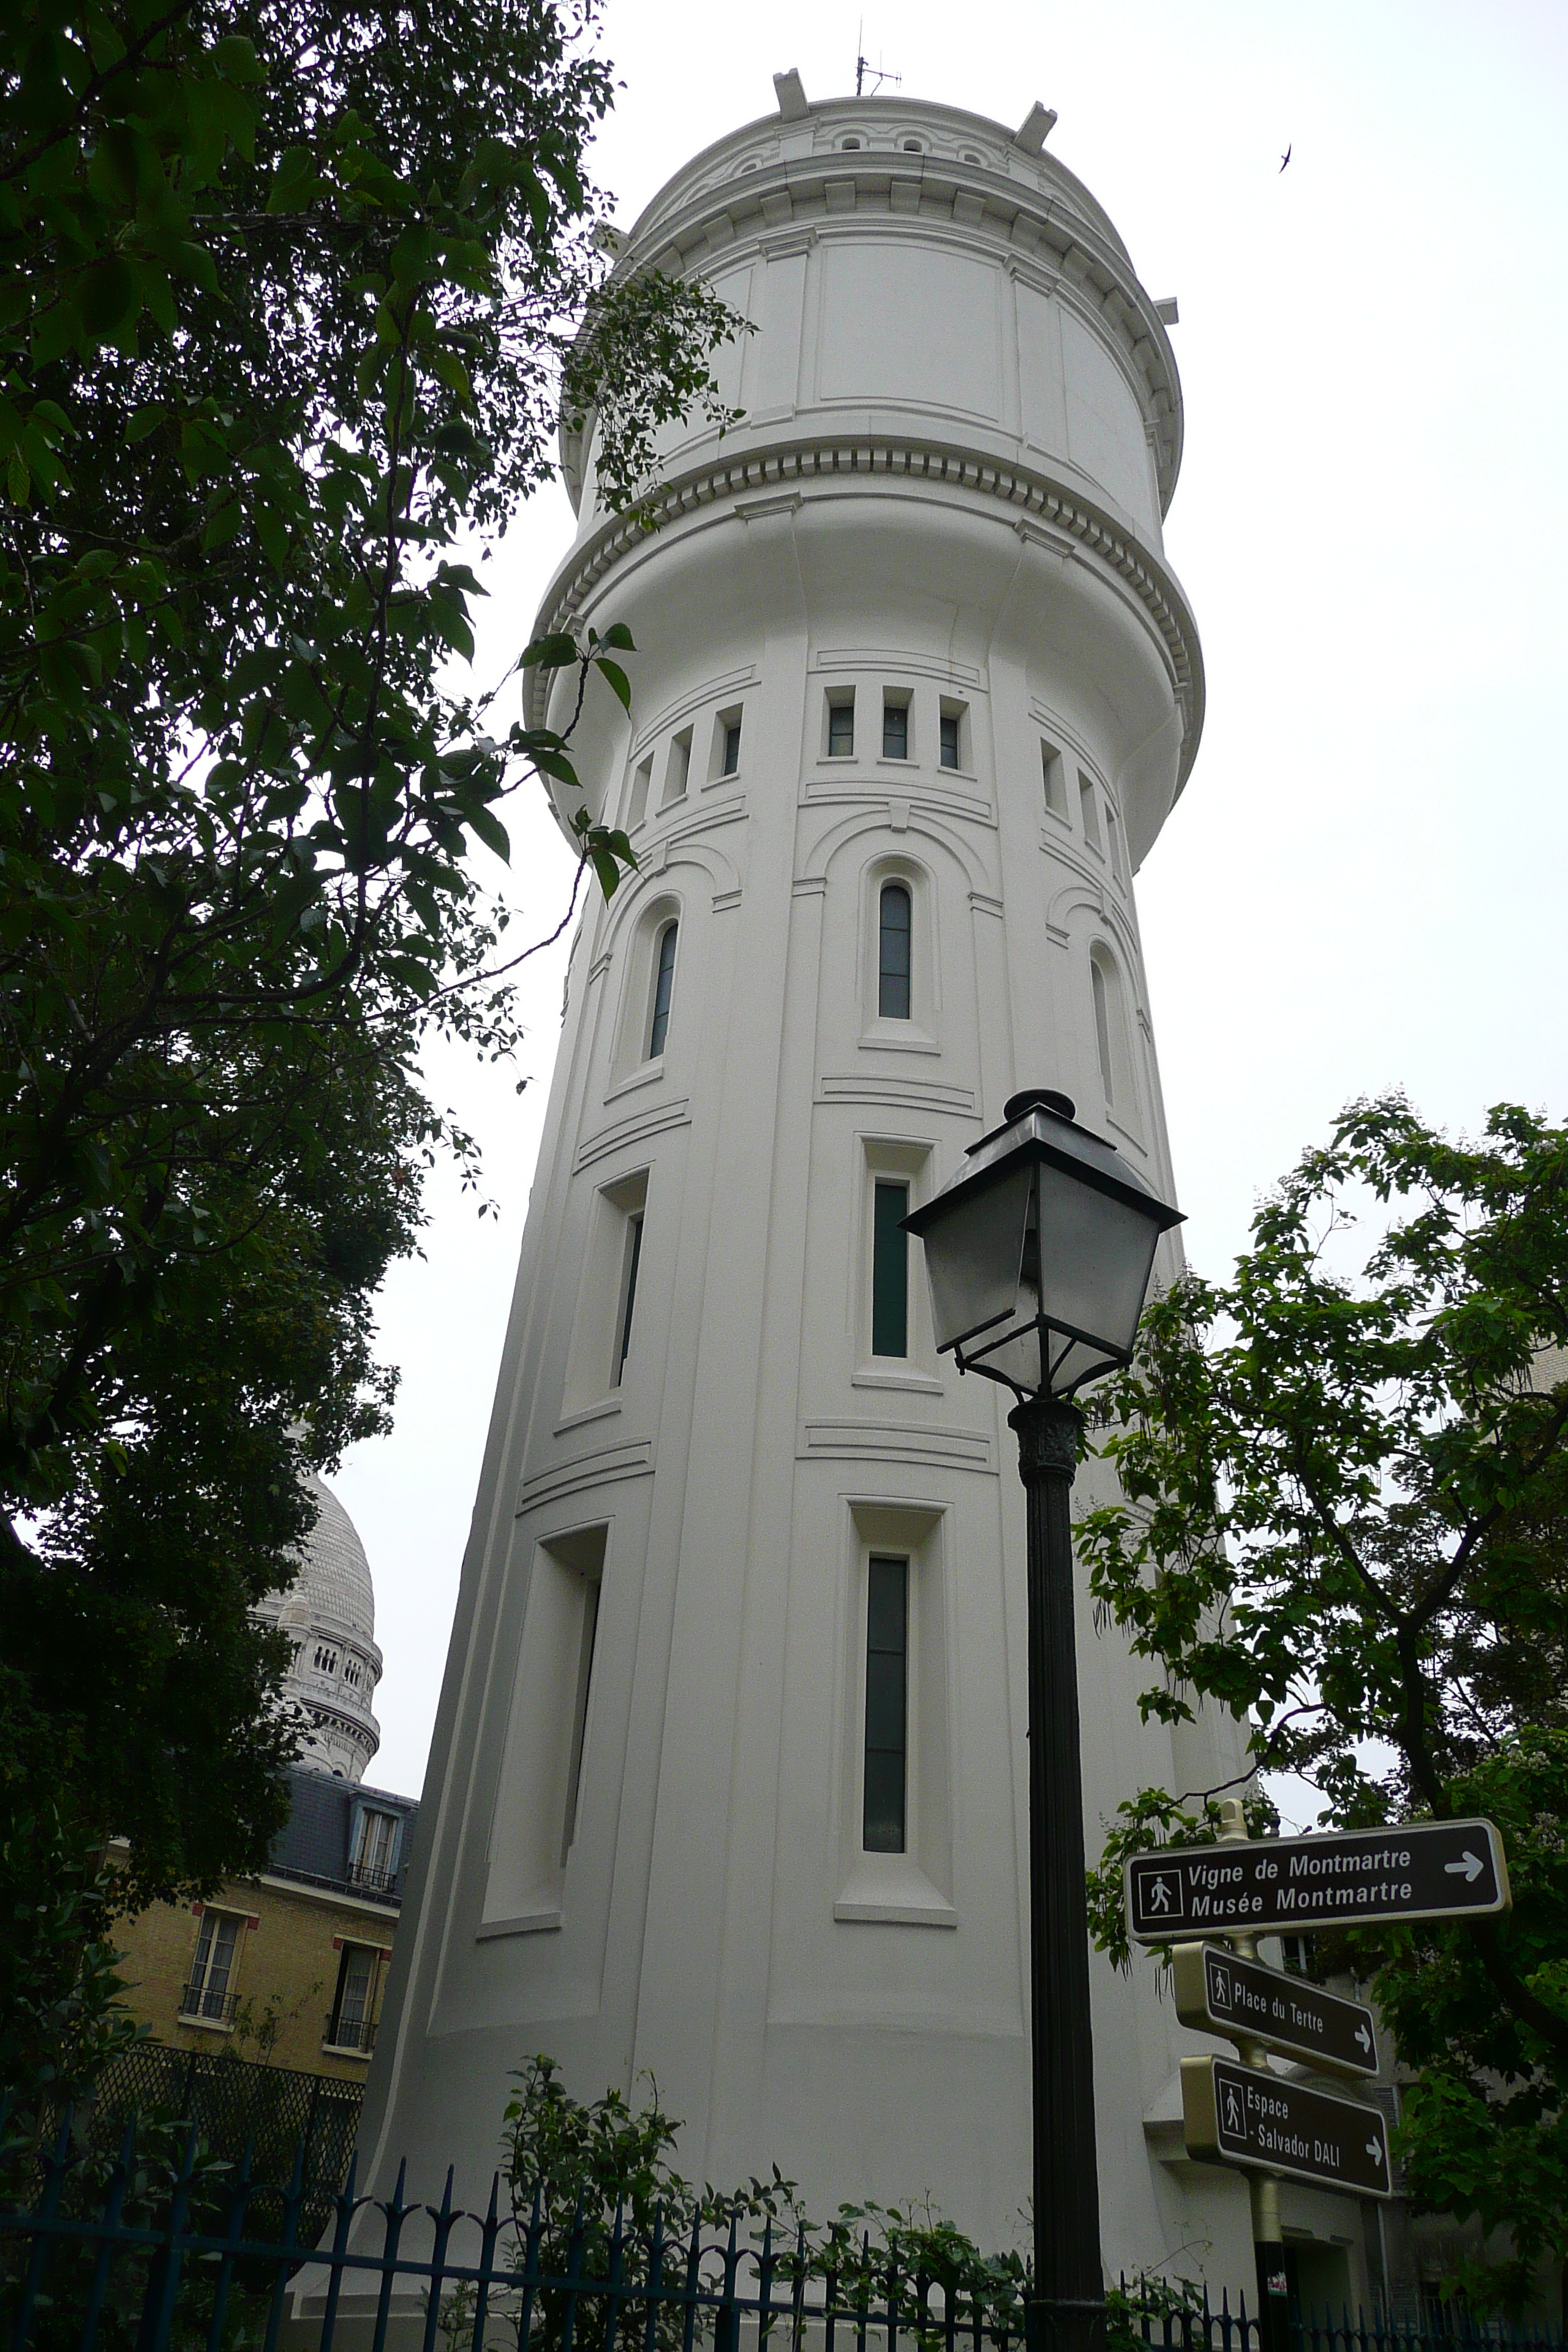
(293, 295)
(1345, 1499)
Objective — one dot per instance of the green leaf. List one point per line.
(618, 638)
(490, 830)
(548, 653)
(615, 677)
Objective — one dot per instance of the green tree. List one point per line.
(292, 297)
(1345, 1499)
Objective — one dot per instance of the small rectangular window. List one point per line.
(640, 784)
(950, 722)
(1056, 789)
(1089, 811)
(895, 728)
(841, 726)
(732, 749)
(678, 773)
(889, 1270)
(628, 1293)
(884, 1807)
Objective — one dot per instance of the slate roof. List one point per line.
(316, 1845)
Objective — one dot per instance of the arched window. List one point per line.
(893, 925)
(663, 986)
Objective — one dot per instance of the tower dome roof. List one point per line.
(332, 1592)
(328, 1614)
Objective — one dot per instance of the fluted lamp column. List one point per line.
(1038, 1254)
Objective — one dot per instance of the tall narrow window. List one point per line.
(1089, 813)
(1097, 981)
(663, 989)
(580, 1712)
(884, 1807)
(895, 729)
(1055, 790)
(207, 1994)
(889, 1270)
(350, 2025)
(640, 783)
(841, 728)
(732, 749)
(893, 957)
(1113, 841)
(949, 728)
(628, 1293)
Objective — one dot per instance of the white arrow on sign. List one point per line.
(1374, 2151)
(1468, 1867)
(1364, 2038)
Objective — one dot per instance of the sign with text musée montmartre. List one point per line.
(1236, 2115)
(1434, 1869)
(1219, 1993)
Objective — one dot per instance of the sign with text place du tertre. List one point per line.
(1260, 1886)
(1266, 2123)
(1219, 1993)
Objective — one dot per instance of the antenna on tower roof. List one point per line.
(863, 65)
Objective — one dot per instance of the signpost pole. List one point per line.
(1263, 2188)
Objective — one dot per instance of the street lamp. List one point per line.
(1038, 1253)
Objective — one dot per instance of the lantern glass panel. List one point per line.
(973, 1251)
(1096, 1253)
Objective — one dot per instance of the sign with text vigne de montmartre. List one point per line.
(1429, 1870)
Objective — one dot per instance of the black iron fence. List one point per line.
(160, 2247)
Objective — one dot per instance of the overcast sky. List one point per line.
(1362, 887)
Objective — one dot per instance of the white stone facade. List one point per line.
(642, 1841)
(328, 1614)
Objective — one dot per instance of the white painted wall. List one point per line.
(962, 416)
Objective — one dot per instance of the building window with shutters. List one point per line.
(374, 1861)
(351, 2023)
(208, 1997)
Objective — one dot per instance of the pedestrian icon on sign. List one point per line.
(1162, 1896)
(1222, 1987)
(1232, 2108)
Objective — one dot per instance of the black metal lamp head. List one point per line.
(1038, 1252)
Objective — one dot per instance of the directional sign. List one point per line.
(1220, 1993)
(1435, 1870)
(1237, 2115)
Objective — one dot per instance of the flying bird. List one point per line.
(1286, 157)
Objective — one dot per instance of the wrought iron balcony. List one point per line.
(210, 2006)
(356, 2033)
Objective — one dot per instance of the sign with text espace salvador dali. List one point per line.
(1431, 1869)
(1266, 2123)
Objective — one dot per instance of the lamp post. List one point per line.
(1038, 1254)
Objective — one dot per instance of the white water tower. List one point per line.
(729, 1779)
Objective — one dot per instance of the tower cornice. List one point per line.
(1042, 509)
